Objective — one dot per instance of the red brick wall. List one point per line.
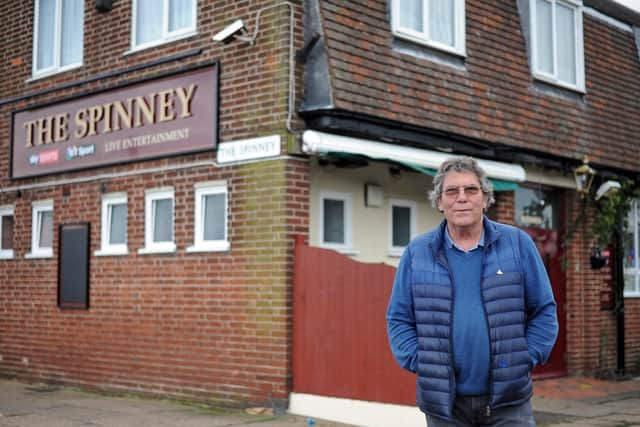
(216, 326)
(503, 209)
(591, 331)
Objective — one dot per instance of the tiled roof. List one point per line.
(491, 96)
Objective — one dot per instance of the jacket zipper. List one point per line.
(452, 380)
(486, 318)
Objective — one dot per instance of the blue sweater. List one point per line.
(470, 335)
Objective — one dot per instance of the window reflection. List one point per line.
(536, 208)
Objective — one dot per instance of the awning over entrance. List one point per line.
(503, 176)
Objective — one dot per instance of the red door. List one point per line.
(549, 246)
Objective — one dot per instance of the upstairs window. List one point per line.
(159, 21)
(436, 23)
(113, 234)
(631, 257)
(158, 224)
(556, 40)
(6, 232)
(58, 35)
(41, 229)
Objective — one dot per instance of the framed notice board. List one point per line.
(73, 266)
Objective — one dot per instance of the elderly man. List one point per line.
(472, 310)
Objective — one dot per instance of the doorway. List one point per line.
(539, 212)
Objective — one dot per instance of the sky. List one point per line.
(631, 4)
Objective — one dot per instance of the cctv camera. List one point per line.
(234, 30)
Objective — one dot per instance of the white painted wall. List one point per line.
(371, 225)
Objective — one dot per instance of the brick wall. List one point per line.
(216, 326)
(591, 331)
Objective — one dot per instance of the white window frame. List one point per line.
(413, 209)
(151, 247)
(459, 46)
(106, 248)
(166, 35)
(37, 251)
(346, 198)
(6, 210)
(56, 68)
(635, 212)
(552, 78)
(199, 244)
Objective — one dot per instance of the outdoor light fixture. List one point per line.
(584, 175)
(607, 189)
(104, 5)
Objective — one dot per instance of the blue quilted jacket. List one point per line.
(519, 307)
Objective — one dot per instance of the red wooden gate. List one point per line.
(340, 346)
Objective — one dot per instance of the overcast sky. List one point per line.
(632, 4)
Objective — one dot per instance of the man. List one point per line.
(472, 310)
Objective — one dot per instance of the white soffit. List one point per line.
(551, 178)
(320, 142)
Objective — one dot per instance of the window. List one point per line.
(437, 23)
(631, 257)
(158, 221)
(556, 40)
(6, 232)
(159, 21)
(113, 233)
(335, 221)
(403, 225)
(41, 229)
(58, 35)
(210, 218)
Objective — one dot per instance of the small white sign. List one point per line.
(249, 149)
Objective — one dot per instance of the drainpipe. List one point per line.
(619, 293)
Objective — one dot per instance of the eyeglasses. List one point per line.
(454, 192)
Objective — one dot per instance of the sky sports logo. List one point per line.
(44, 158)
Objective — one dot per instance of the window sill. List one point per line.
(39, 255)
(6, 254)
(558, 83)
(342, 250)
(162, 250)
(156, 43)
(632, 294)
(110, 252)
(395, 252)
(460, 52)
(217, 247)
(44, 75)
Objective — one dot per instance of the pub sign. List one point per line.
(169, 115)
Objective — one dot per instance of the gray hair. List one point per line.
(461, 164)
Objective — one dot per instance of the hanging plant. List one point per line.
(612, 212)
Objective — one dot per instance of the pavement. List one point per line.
(586, 402)
(570, 401)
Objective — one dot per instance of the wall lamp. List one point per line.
(607, 189)
(584, 175)
(103, 6)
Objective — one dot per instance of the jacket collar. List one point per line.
(491, 234)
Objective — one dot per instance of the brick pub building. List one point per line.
(153, 182)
